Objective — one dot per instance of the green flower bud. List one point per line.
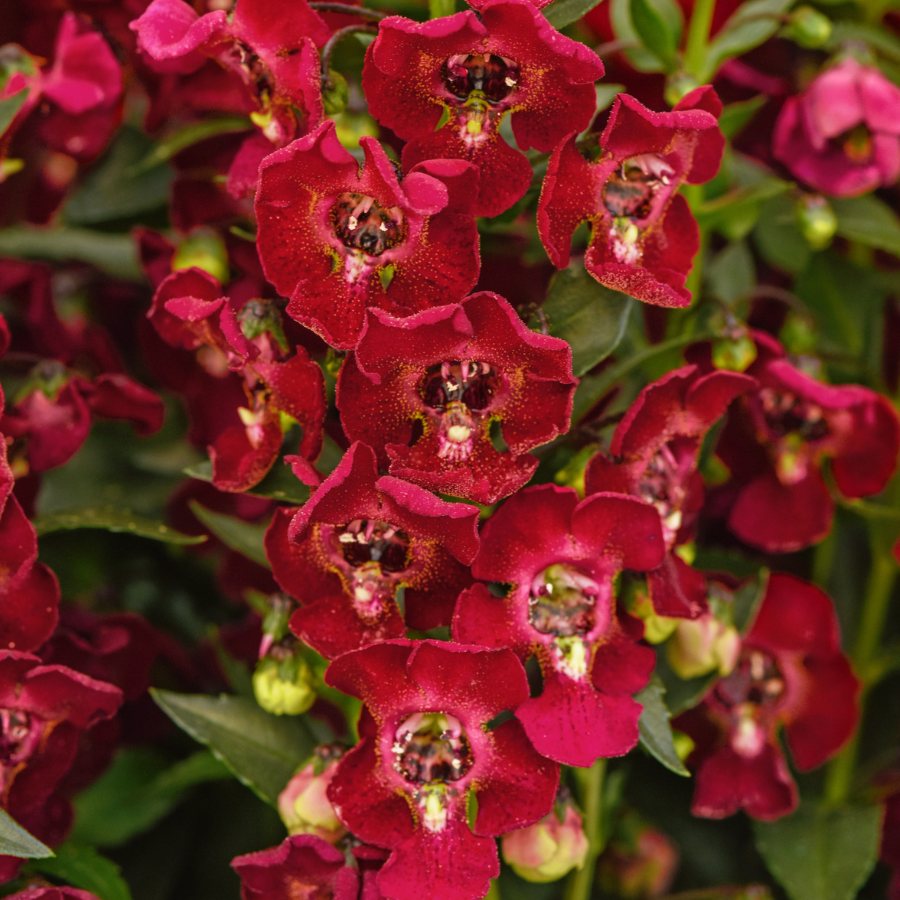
(548, 849)
(204, 250)
(808, 27)
(817, 220)
(282, 687)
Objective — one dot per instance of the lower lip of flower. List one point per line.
(363, 224)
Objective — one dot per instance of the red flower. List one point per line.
(791, 672)
(424, 747)
(653, 455)
(643, 236)
(450, 374)
(842, 134)
(359, 538)
(337, 240)
(561, 556)
(776, 437)
(477, 68)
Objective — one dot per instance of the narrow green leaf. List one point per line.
(137, 790)
(654, 32)
(747, 599)
(564, 12)
(83, 867)
(868, 220)
(589, 316)
(656, 733)
(112, 518)
(736, 115)
(279, 484)
(16, 841)
(626, 32)
(819, 853)
(187, 137)
(752, 24)
(263, 751)
(732, 273)
(9, 106)
(244, 537)
(114, 254)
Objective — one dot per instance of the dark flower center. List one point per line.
(786, 414)
(432, 748)
(364, 224)
(489, 76)
(468, 382)
(630, 190)
(366, 541)
(662, 486)
(856, 143)
(756, 680)
(257, 72)
(21, 733)
(562, 602)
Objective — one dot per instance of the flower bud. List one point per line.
(817, 220)
(735, 354)
(808, 27)
(548, 849)
(678, 86)
(639, 865)
(206, 251)
(656, 628)
(282, 685)
(703, 645)
(304, 806)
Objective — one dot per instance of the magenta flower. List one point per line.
(790, 673)
(425, 391)
(561, 556)
(776, 438)
(653, 456)
(841, 136)
(643, 236)
(345, 554)
(425, 747)
(478, 68)
(337, 240)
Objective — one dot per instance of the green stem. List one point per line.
(580, 882)
(694, 195)
(839, 777)
(698, 38)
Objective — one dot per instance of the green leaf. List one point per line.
(83, 867)
(113, 191)
(234, 533)
(625, 29)
(777, 235)
(9, 106)
(656, 733)
(732, 273)
(820, 853)
(137, 790)
(16, 841)
(736, 115)
(112, 518)
(656, 32)
(263, 751)
(681, 693)
(752, 24)
(187, 137)
(279, 484)
(564, 12)
(114, 254)
(734, 214)
(589, 316)
(869, 221)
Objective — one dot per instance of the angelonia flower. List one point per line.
(841, 135)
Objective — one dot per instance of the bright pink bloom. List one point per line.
(337, 239)
(653, 456)
(841, 136)
(478, 68)
(561, 556)
(791, 672)
(424, 746)
(643, 236)
(345, 554)
(426, 391)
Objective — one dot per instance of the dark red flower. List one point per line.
(776, 438)
(425, 746)
(842, 134)
(560, 558)
(337, 239)
(477, 68)
(346, 553)
(790, 673)
(653, 456)
(426, 391)
(643, 236)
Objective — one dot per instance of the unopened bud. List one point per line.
(679, 86)
(817, 220)
(304, 806)
(548, 849)
(798, 335)
(204, 250)
(638, 866)
(282, 686)
(656, 628)
(734, 354)
(808, 27)
(703, 645)
(335, 93)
